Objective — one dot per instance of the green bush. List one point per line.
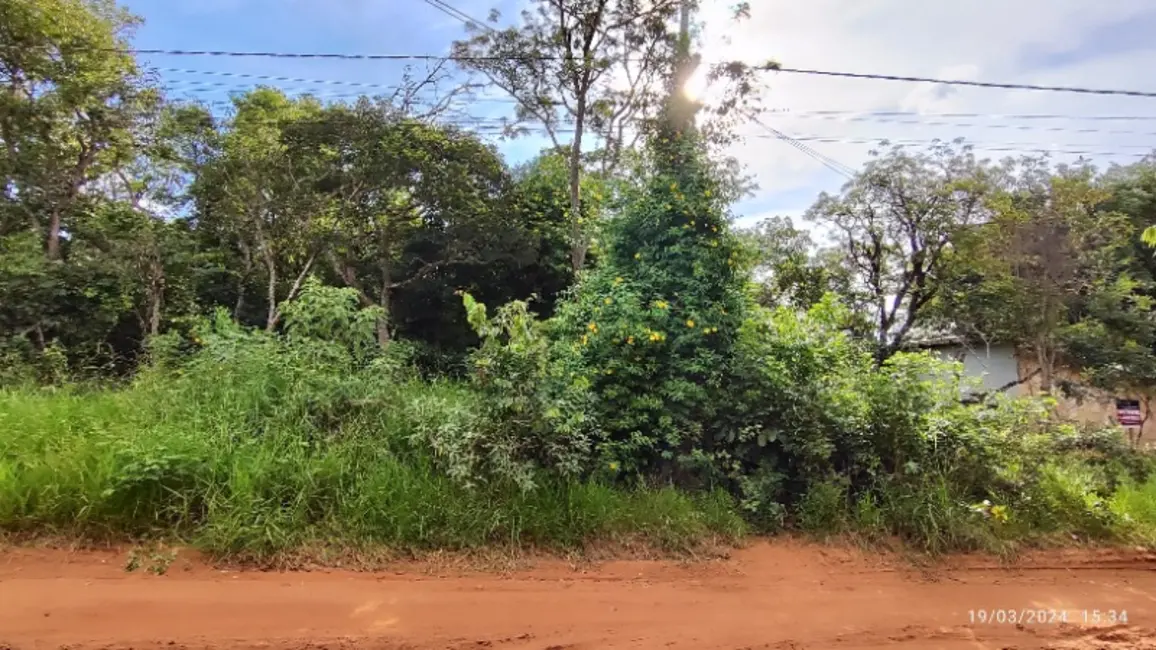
(251, 445)
(655, 325)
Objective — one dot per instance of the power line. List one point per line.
(212, 86)
(498, 125)
(801, 71)
(967, 125)
(267, 77)
(454, 12)
(828, 114)
(829, 163)
(832, 115)
(485, 127)
(823, 138)
(975, 84)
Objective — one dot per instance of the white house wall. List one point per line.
(996, 366)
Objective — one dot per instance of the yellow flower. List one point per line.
(692, 222)
(714, 243)
(724, 312)
(613, 466)
(673, 186)
(690, 323)
(630, 340)
(714, 228)
(706, 193)
(618, 280)
(585, 339)
(593, 327)
(607, 301)
(661, 304)
(610, 371)
(638, 256)
(999, 513)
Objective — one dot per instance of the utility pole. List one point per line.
(684, 28)
(682, 108)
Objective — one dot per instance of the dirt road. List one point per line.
(772, 595)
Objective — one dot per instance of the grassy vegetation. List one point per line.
(254, 446)
(215, 460)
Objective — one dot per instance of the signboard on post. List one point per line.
(1128, 413)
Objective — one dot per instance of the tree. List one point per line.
(1113, 341)
(894, 222)
(76, 119)
(260, 194)
(787, 268)
(408, 201)
(592, 67)
(1049, 253)
(73, 94)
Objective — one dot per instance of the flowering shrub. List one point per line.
(656, 324)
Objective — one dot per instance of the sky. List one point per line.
(1104, 44)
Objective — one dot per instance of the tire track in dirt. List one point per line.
(776, 595)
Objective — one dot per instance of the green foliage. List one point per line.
(687, 377)
(896, 221)
(531, 412)
(254, 444)
(656, 323)
(823, 509)
(787, 270)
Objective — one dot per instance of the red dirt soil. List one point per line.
(782, 594)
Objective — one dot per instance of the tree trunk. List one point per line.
(271, 296)
(383, 298)
(1046, 370)
(274, 306)
(246, 271)
(53, 250)
(578, 240)
(156, 295)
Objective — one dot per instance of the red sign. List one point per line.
(1128, 413)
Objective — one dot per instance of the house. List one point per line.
(1001, 367)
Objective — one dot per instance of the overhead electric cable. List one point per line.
(800, 71)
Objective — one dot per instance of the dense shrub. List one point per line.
(656, 324)
(658, 402)
(253, 444)
(660, 368)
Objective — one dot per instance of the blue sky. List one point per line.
(1068, 42)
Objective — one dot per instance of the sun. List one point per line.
(698, 86)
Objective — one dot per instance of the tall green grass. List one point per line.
(252, 449)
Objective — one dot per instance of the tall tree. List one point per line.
(407, 201)
(588, 67)
(260, 194)
(788, 270)
(894, 223)
(71, 95)
(1050, 253)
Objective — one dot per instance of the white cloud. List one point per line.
(1058, 42)
(1018, 41)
